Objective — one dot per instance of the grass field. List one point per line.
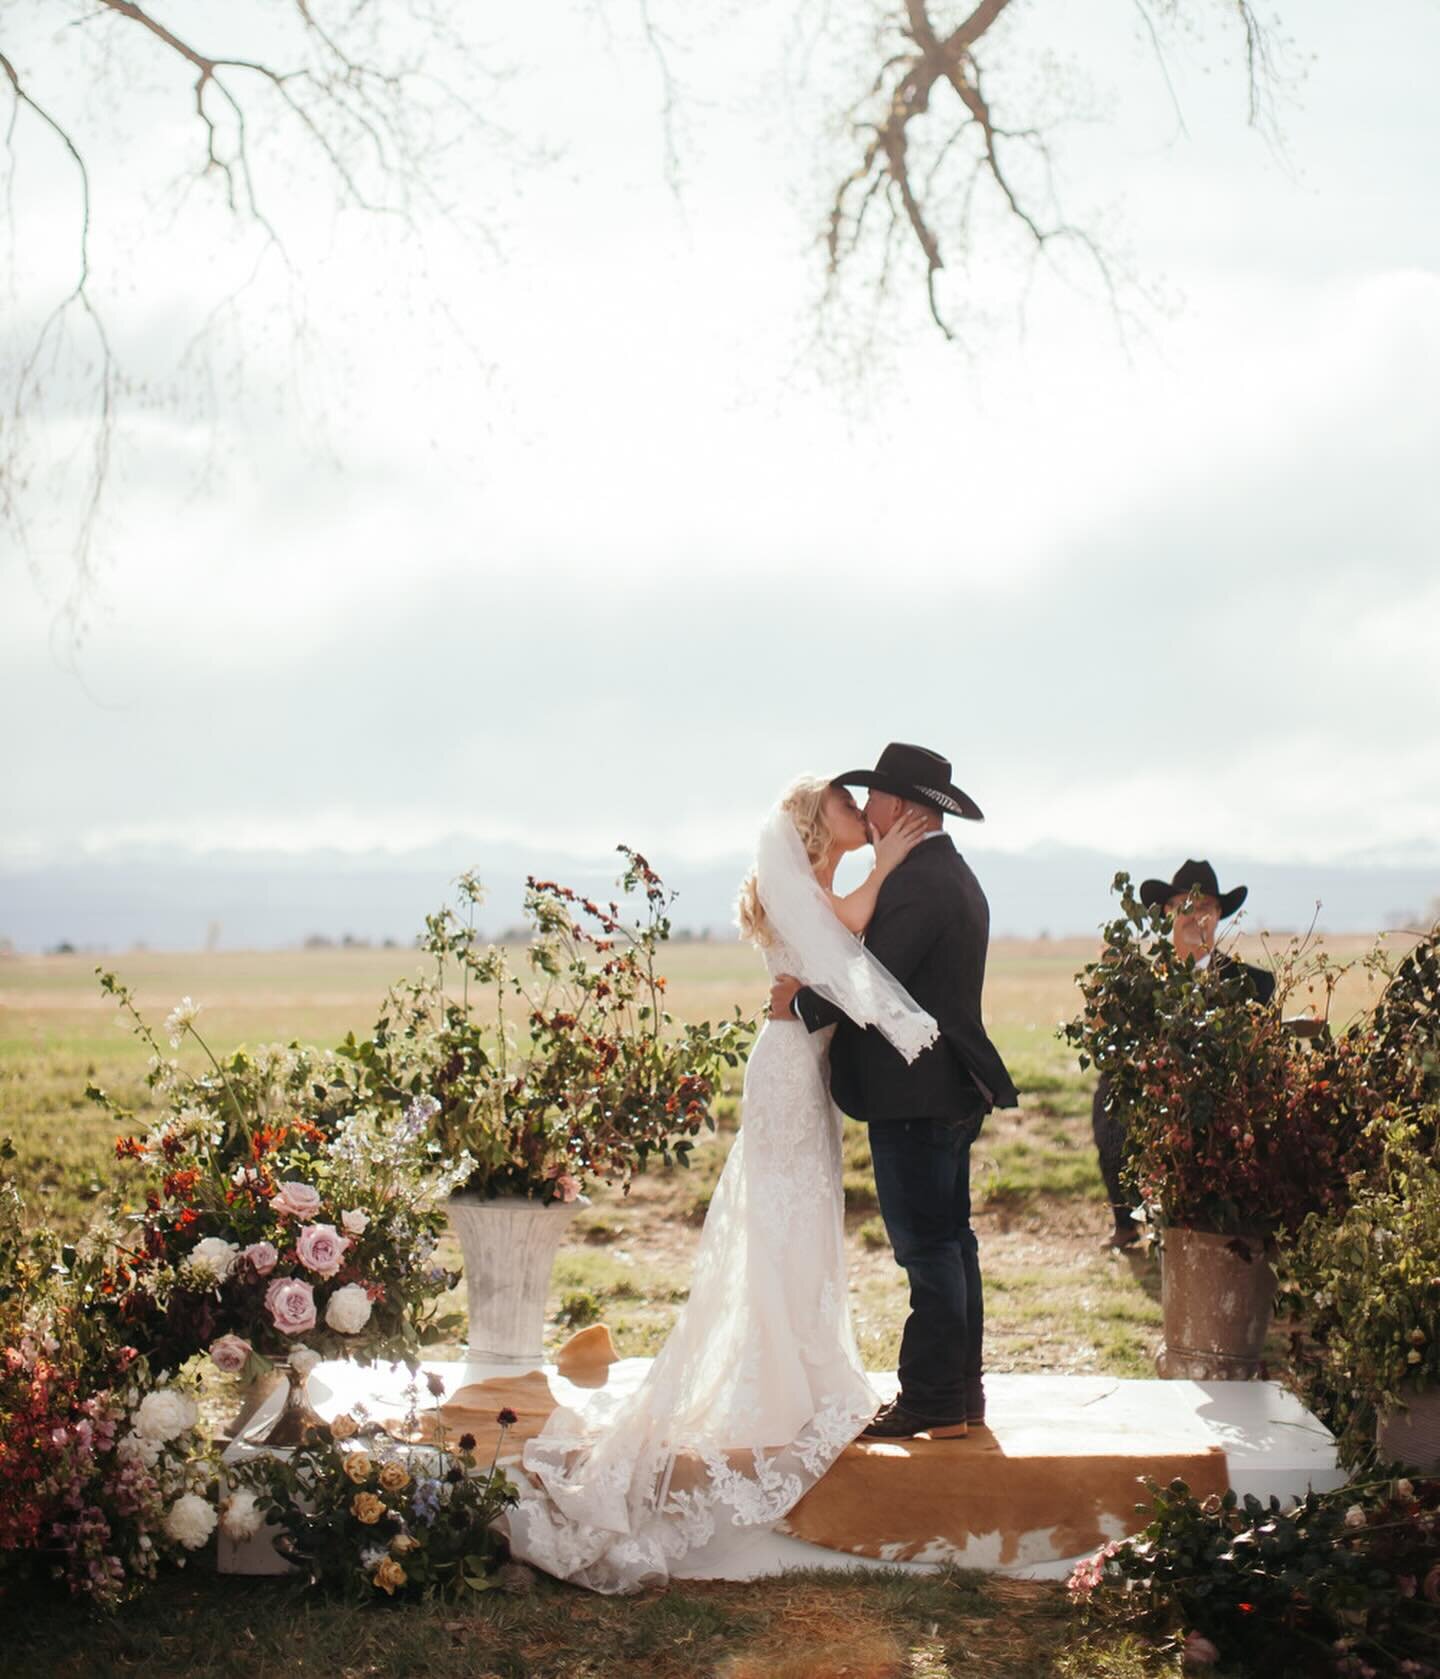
(1055, 1300)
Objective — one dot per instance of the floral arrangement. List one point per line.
(1236, 1123)
(1365, 1284)
(565, 1071)
(287, 1206)
(279, 1217)
(1345, 1583)
(103, 1475)
(369, 1516)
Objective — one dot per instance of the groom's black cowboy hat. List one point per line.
(1192, 876)
(910, 772)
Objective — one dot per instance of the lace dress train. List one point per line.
(759, 1386)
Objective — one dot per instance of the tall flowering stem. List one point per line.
(562, 1065)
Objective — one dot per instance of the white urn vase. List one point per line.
(508, 1244)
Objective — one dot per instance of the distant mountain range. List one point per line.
(259, 900)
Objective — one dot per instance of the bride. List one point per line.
(759, 1387)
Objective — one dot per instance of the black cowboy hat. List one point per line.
(1192, 876)
(910, 772)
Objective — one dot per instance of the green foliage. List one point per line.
(873, 1235)
(578, 1307)
(1342, 1582)
(1366, 1284)
(567, 1070)
(1405, 1028)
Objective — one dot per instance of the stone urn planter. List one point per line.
(508, 1244)
(1218, 1297)
(1411, 1434)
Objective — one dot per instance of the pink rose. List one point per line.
(320, 1248)
(229, 1354)
(354, 1221)
(262, 1257)
(300, 1200)
(291, 1305)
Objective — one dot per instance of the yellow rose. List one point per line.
(365, 1507)
(357, 1466)
(389, 1575)
(344, 1427)
(394, 1476)
(403, 1543)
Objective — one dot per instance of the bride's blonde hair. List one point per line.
(804, 803)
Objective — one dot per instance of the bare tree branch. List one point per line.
(367, 110)
(908, 135)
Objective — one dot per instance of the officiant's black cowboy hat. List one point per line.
(910, 772)
(1192, 876)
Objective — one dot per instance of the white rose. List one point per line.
(240, 1517)
(135, 1448)
(353, 1223)
(165, 1413)
(215, 1254)
(303, 1360)
(1355, 1516)
(348, 1310)
(190, 1521)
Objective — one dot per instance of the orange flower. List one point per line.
(394, 1476)
(365, 1507)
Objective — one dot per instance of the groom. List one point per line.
(931, 928)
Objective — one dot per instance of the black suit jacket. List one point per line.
(1259, 981)
(931, 929)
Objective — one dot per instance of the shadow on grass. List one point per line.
(800, 1625)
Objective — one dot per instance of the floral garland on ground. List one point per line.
(1344, 1583)
(369, 1516)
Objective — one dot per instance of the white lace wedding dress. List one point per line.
(759, 1386)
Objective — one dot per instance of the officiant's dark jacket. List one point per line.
(931, 929)
(1259, 982)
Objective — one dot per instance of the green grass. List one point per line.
(819, 1623)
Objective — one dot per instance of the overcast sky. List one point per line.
(627, 557)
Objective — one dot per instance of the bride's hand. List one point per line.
(900, 841)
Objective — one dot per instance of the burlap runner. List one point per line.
(979, 1501)
(1015, 1493)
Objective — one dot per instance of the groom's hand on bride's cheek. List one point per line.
(782, 995)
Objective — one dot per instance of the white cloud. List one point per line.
(636, 577)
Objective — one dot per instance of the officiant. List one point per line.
(1196, 905)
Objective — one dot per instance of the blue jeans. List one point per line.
(922, 1178)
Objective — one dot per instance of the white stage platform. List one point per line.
(1272, 1445)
